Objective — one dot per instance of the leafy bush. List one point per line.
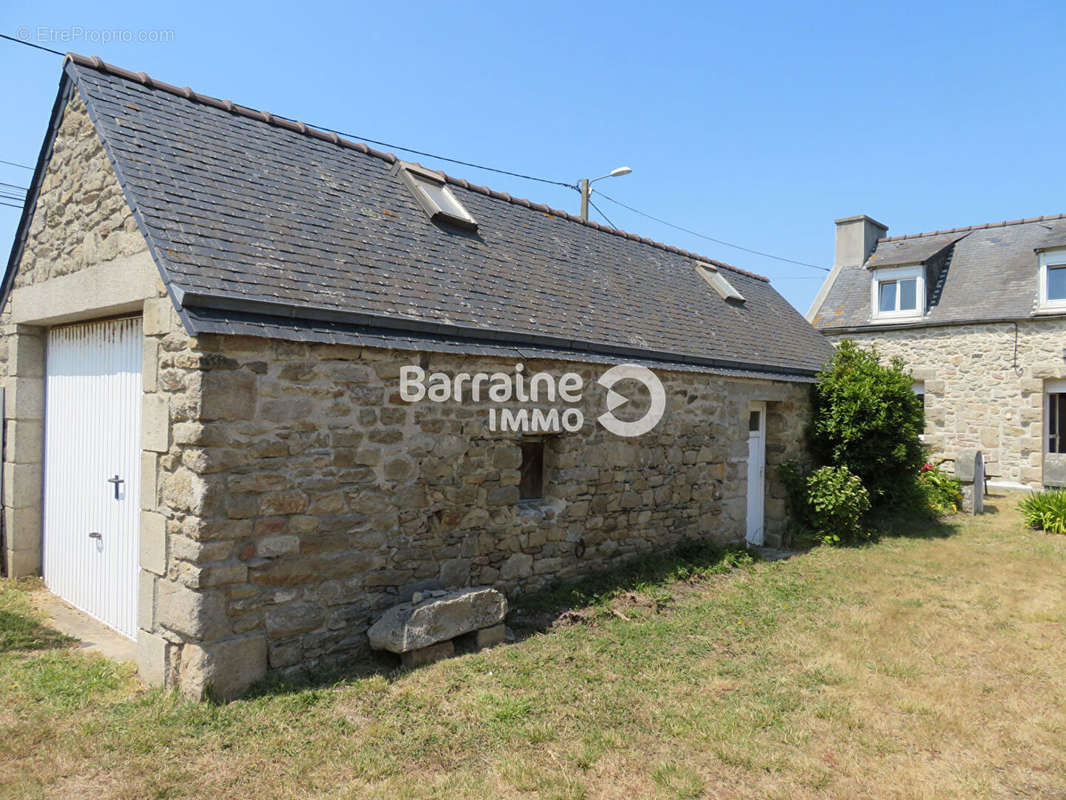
(836, 501)
(941, 492)
(828, 502)
(867, 418)
(1045, 511)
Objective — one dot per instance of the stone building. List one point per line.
(214, 321)
(978, 315)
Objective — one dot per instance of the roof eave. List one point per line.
(401, 325)
(950, 323)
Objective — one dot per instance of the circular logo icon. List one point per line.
(615, 400)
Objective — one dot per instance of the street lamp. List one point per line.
(586, 188)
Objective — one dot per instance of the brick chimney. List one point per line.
(856, 239)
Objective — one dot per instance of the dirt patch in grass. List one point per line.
(914, 667)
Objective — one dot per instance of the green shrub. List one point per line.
(828, 503)
(836, 501)
(867, 418)
(1045, 511)
(942, 493)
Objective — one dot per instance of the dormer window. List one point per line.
(898, 293)
(1053, 279)
(433, 194)
(719, 283)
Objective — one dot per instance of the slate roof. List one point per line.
(267, 226)
(992, 274)
(909, 251)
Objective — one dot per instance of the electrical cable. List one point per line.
(498, 171)
(602, 214)
(711, 238)
(30, 44)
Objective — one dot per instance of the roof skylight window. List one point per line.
(719, 283)
(434, 195)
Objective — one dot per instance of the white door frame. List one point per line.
(756, 484)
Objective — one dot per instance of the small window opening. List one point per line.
(719, 283)
(754, 421)
(1056, 422)
(1056, 282)
(434, 195)
(897, 295)
(531, 483)
(898, 292)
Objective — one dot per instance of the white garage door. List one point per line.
(92, 468)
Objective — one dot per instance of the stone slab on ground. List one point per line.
(94, 636)
(437, 618)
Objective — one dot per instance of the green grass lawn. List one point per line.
(924, 667)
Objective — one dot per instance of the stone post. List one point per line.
(970, 470)
(23, 461)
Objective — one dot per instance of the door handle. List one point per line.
(96, 535)
(117, 481)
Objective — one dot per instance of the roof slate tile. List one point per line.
(241, 206)
(992, 273)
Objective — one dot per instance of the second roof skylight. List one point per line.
(433, 194)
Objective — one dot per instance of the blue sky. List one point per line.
(756, 123)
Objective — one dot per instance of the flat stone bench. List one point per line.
(425, 629)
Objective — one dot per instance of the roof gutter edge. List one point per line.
(310, 313)
(936, 324)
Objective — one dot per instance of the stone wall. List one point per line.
(302, 496)
(984, 388)
(81, 220)
(288, 495)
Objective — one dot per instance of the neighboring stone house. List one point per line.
(206, 316)
(978, 315)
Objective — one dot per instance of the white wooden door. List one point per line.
(756, 472)
(92, 468)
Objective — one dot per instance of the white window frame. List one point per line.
(417, 177)
(1048, 259)
(1050, 388)
(719, 283)
(880, 276)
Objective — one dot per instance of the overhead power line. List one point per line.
(15, 186)
(602, 214)
(10, 205)
(435, 155)
(365, 138)
(31, 44)
(711, 238)
(496, 170)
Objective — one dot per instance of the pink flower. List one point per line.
(926, 468)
